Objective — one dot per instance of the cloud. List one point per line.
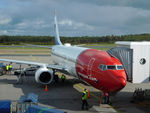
(4, 19)
(36, 24)
(4, 32)
(75, 17)
(142, 4)
(75, 25)
(66, 22)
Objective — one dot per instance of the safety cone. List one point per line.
(46, 89)
(89, 94)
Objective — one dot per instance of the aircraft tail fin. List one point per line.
(57, 38)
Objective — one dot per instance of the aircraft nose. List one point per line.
(123, 82)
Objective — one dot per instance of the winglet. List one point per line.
(57, 38)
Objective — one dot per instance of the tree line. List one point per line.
(49, 40)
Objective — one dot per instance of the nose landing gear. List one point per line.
(105, 99)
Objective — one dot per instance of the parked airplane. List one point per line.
(95, 67)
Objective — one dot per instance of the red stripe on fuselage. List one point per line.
(87, 68)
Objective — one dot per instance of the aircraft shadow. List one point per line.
(59, 95)
(64, 96)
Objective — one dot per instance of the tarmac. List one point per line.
(67, 96)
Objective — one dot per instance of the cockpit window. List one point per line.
(102, 67)
(119, 67)
(111, 67)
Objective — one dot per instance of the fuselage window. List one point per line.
(111, 67)
(119, 67)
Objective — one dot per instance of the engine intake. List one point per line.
(44, 76)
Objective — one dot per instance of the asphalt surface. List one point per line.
(25, 55)
(67, 96)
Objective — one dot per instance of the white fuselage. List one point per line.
(66, 56)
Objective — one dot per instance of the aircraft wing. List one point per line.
(23, 62)
(52, 66)
(59, 68)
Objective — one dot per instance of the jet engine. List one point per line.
(43, 76)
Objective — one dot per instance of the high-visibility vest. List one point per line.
(7, 68)
(85, 95)
(63, 77)
(10, 66)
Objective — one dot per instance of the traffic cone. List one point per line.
(46, 89)
(89, 94)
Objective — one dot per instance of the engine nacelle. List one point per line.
(44, 76)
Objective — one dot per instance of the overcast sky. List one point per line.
(75, 17)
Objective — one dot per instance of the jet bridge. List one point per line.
(135, 57)
(125, 56)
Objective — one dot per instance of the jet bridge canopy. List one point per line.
(125, 56)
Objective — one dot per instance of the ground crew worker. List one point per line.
(63, 77)
(7, 68)
(84, 99)
(10, 68)
(56, 78)
(4, 69)
(106, 99)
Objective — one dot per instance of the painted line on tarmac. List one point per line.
(116, 109)
(33, 58)
(79, 86)
(39, 59)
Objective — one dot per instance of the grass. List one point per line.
(102, 44)
(104, 49)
